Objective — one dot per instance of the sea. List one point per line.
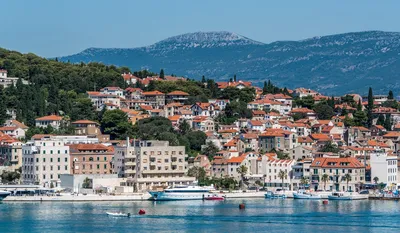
(259, 215)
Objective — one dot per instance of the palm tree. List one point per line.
(347, 178)
(324, 179)
(376, 179)
(282, 175)
(242, 170)
(304, 181)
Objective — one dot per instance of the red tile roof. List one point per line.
(337, 163)
(153, 93)
(238, 159)
(49, 118)
(84, 122)
(178, 93)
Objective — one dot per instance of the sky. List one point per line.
(57, 28)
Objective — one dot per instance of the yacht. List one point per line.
(302, 194)
(4, 194)
(189, 192)
(347, 196)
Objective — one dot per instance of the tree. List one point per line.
(381, 120)
(162, 76)
(210, 149)
(348, 122)
(325, 179)
(304, 182)
(388, 123)
(196, 139)
(370, 107)
(3, 108)
(330, 147)
(347, 178)
(282, 175)
(376, 179)
(115, 123)
(184, 127)
(390, 95)
(242, 170)
(360, 118)
(359, 105)
(10, 177)
(203, 79)
(198, 172)
(87, 183)
(324, 111)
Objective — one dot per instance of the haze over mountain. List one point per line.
(336, 64)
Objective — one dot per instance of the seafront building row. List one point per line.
(280, 143)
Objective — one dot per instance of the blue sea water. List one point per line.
(260, 215)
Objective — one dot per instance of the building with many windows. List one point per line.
(91, 159)
(384, 167)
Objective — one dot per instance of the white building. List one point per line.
(113, 91)
(384, 167)
(271, 168)
(52, 120)
(43, 162)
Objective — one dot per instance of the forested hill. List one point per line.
(55, 87)
(335, 64)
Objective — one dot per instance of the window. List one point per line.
(66, 167)
(58, 167)
(66, 159)
(44, 160)
(83, 166)
(58, 160)
(105, 158)
(51, 168)
(51, 151)
(51, 176)
(37, 160)
(105, 166)
(91, 159)
(98, 158)
(51, 160)
(98, 166)
(84, 159)
(44, 176)
(58, 152)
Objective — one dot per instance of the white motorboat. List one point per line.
(347, 196)
(189, 192)
(302, 194)
(279, 193)
(118, 214)
(4, 194)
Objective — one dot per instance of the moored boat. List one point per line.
(4, 194)
(302, 194)
(214, 198)
(277, 194)
(118, 214)
(347, 196)
(189, 192)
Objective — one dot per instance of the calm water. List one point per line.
(260, 215)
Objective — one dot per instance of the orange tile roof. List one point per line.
(86, 147)
(275, 133)
(8, 128)
(40, 136)
(153, 93)
(174, 117)
(228, 131)
(238, 159)
(84, 122)
(256, 123)
(250, 136)
(49, 118)
(231, 143)
(302, 110)
(392, 134)
(19, 124)
(178, 93)
(305, 139)
(320, 137)
(258, 112)
(349, 162)
(200, 118)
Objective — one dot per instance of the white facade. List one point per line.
(384, 167)
(271, 168)
(44, 161)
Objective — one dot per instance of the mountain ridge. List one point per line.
(333, 64)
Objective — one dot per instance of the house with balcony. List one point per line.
(52, 120)
(205, 109)
(337, 169)
(177, 97)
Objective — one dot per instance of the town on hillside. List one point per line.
(152, 131)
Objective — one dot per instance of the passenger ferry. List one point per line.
(177, 193)
(4, 194)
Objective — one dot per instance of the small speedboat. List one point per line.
(118, 214)
(214, 198)
(347, 196)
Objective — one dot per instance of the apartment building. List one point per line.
(277, 139)
(10, 151)
(270, 168)
(52, 120)
(384, 167)
(43, 161)
(91, 159)
(151, 164)
(337, 169)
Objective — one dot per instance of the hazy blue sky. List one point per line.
(62, 27)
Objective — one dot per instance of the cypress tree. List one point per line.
(3, 108)
(203, 79)
(162, 76)
(388, 123)
(265, 88)
(359, 106)
(234, 78)
(390, 96)
(381, 120)
(370, 107)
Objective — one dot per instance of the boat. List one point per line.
(302, 194)
(273, 195)
(214, 198)
(186, 192)
(347, 196)
(118, 214)
(4, 194)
